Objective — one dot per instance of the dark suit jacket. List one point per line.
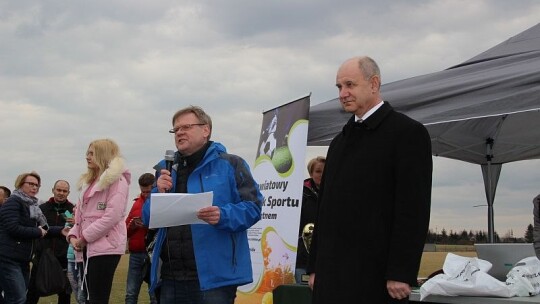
(374, 209)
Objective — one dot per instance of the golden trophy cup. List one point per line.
(307, 235)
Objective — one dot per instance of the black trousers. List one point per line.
(99, 277)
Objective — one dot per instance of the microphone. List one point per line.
(169, 159)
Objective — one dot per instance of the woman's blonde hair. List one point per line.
(105, 150)
(311, 164)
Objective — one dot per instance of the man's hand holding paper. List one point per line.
(210, 214)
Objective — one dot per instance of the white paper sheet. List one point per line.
(174, 209)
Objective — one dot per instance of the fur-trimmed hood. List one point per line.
(111, 174)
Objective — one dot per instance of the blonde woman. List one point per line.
(100, 231)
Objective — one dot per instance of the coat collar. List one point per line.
(373, 121)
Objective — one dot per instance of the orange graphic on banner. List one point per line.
(276, 275)
(278, 269)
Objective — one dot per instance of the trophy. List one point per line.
(307, 234)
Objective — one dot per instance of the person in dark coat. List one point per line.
(21, 222)
(55, 213)
(4, 194)
(375, 197)
(308, 214)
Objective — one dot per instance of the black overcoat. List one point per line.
(374, 209)
(308, 215)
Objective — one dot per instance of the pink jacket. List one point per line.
(100, 219)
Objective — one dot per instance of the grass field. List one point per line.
(431, 262)
(118, 290)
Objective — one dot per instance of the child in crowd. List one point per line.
(75, 273)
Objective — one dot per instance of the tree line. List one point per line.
(470, 237)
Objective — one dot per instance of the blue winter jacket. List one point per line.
(222, 252)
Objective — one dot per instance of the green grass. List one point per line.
(431, 262)
(118, 292)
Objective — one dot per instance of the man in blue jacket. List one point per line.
(204, 263)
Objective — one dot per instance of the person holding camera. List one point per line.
(55, 213)
(136, 233)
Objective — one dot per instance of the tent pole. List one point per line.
(491, 225)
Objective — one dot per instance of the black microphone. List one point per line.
(169, 159)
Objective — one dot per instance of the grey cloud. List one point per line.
(71, 72)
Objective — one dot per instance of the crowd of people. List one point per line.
(376, 177)
(86, 240)
(191, 264)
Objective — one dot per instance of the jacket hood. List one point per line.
(113, 173)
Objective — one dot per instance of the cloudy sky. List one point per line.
(75, 71)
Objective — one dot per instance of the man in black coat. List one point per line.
(375, 198)
(55, 212)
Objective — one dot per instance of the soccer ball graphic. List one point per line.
(269, 143)
(268, 146)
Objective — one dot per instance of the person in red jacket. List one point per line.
(136, 233)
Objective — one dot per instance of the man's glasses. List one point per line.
(185, 128)
(32, 184)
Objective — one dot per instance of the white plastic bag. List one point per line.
(464, 276)
(524, 278)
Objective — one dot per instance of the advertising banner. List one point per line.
(279, 171)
